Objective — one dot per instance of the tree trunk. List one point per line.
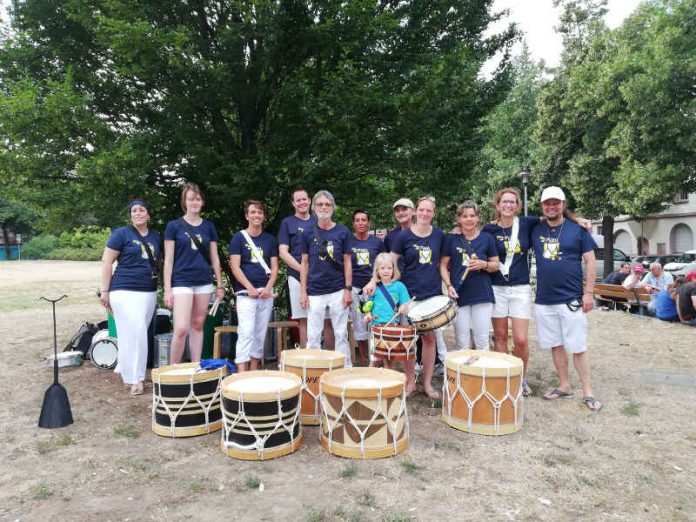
(608, 232)
(6, 237)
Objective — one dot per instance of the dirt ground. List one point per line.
(635, 460)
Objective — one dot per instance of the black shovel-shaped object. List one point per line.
(55, 411)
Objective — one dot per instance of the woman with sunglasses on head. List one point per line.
(190, 255)
(467, 260)
(420, 247)
(131, 290)
(254, 263)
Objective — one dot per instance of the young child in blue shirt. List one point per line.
(387, 274)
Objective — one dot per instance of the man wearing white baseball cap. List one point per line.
(560, 246)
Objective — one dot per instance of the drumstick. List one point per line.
(213, 309)
(397, 312)
(466, 272)
(471, 360)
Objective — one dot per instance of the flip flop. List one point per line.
(137, 389)
(557, 394)
(592, 403)
(526, 390)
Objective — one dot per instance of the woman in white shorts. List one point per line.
(190, 259)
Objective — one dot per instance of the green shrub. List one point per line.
(85, 237)
(39, 246)
(75, 254)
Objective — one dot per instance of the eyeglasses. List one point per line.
(508, 202)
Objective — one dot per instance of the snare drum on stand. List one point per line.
(432, 313)
(309, 365)
(186, 400)
(261, 415)
(364, 413)
(483, 392)
(104, 350)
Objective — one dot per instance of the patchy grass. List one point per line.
(41, 491)
(557, 459)
(315, 515)
(410, 467)
(252, 482)
(45, 446)
(367, 499)
(632, 409)
(127, 431)
(396, 518)
(198, 486)
(348, 471)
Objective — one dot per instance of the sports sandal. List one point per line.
(592, 403)
(557, 394)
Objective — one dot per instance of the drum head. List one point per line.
(185, 373)
(428, 308)
(362, 383)
(261, 385)
(101, 334)
(104, 353)
(478, 362)
(309, 358)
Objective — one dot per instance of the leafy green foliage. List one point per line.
(81, 244)
(103, 101)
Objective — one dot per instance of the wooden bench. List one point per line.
(633, 296)
(280, 330)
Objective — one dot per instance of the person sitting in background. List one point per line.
(665, 302)
(655, 281)
(686, 302)
(691, 276)
(617, 277)
(633, 279)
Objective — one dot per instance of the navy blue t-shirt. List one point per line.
(519, 269)
(134, 270)
(249, 263)
(558, 251)
(362, 258)
(324, 276)
(477, 287)
(190, 268)
(291, 229)
(421, 255)
(389, 244)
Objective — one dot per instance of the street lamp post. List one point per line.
(525, 174)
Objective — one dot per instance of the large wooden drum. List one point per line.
(309, 365)
(261, 413)
(394, 342)
(363, 413)
(186, 400)
(483, 392)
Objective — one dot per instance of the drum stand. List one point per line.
(55, 411)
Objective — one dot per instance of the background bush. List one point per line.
(81, 244)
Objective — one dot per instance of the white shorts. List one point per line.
(557, 325)
(296, 311)
(512, 301)
(191, 290)
(359, 327)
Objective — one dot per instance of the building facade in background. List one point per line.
(671, 231)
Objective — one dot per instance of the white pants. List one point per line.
(296, 311)
(473, 317)
(440, 345)
(359, 328)
(253, 315)
(133, 313)
(339, 320)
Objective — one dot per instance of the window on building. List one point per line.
(682, 197)
(600, 230)
(661, 249)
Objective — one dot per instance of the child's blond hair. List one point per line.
(384, 258)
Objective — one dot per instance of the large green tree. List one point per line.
(102, 100)
(616, 123)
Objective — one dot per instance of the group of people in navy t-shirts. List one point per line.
(331, 271)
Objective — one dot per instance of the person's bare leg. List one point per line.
(302, 327)
(428, 362)
(560, 362)
(362, 353)
(182, 320)
(255, 364)
(410, 371)
(242, 367)
(500, 334)
(198, 313)
(582, 366)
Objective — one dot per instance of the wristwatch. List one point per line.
(349, 288)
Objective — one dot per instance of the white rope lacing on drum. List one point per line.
(484, 393)
(305, 387)
(391, 425)
(231, 420)
(206, 407)
(392, 342)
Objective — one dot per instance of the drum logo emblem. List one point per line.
(256, 254)
(143, 253)
(425, 255)
(362, 256)
(193, 244)
(552, 249)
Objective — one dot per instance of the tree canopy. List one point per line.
(371, 99)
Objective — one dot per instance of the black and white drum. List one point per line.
(104, 350)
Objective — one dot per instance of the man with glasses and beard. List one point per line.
(326, 275)
(560, 246)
